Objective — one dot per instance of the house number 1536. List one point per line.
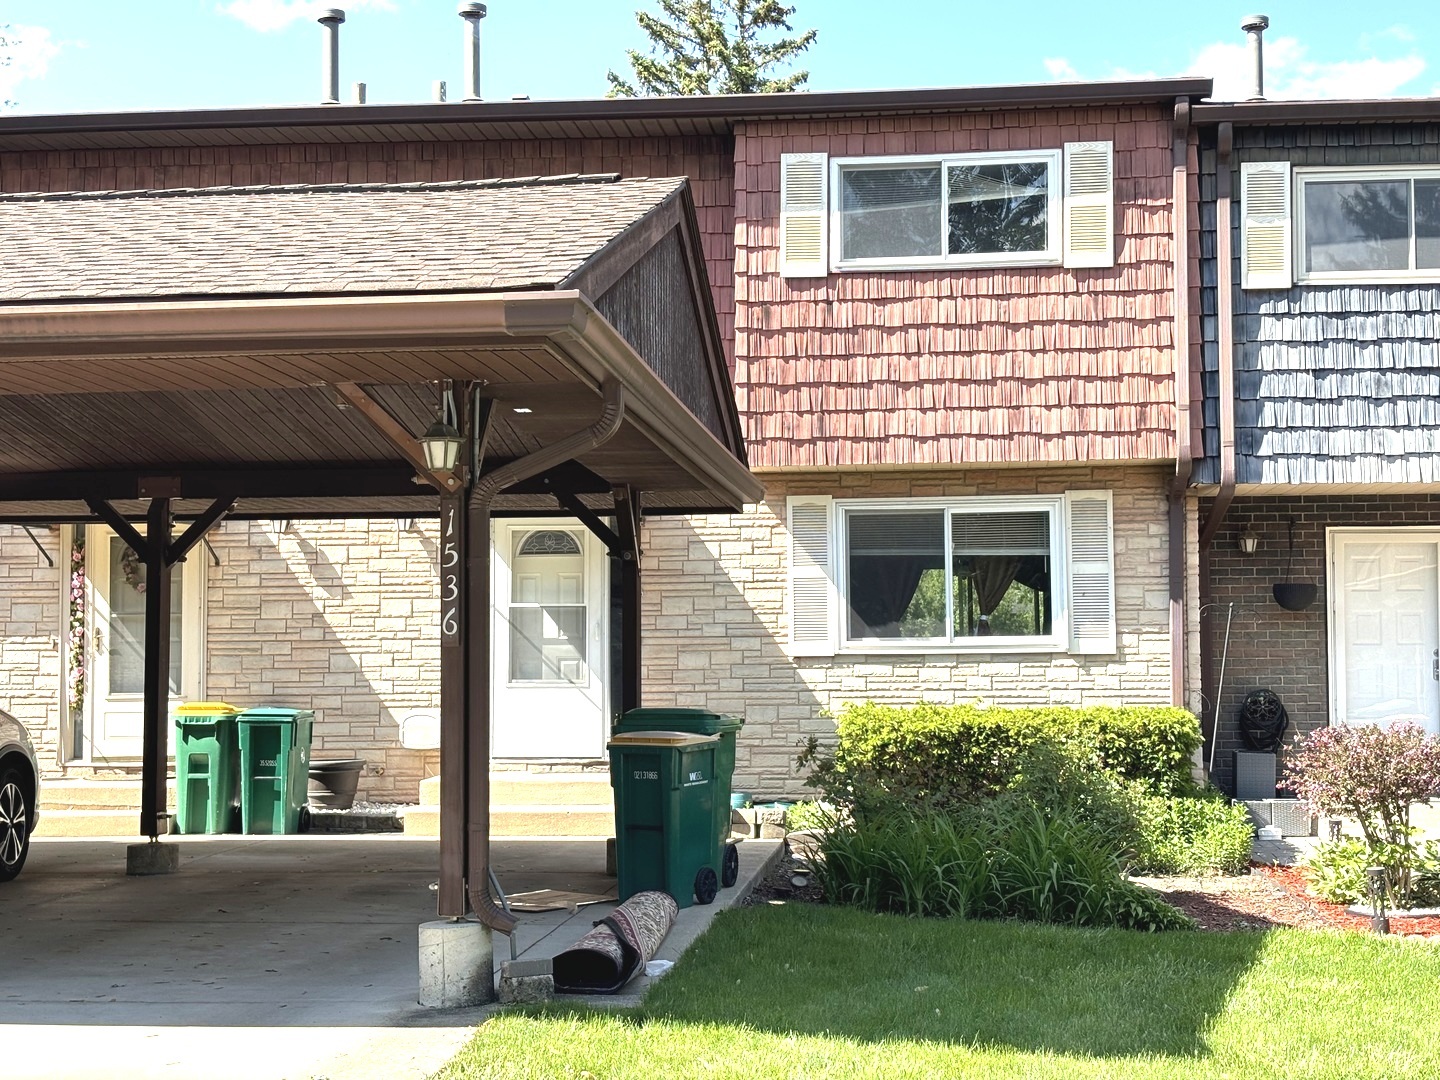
(450, 572)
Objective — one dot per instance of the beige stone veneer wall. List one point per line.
(32, 634)
(337, 616)
(715, 622)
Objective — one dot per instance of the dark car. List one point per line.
(19, 784)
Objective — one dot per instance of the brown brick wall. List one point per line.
(950, 366)
(1284, 651)
(707, 161)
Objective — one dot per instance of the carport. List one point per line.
(172, 358)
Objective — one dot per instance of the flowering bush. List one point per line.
(1373, 775)
(76, 642)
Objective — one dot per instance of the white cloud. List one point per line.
(30, 51)
(268, 15)
(1291, 75)
(1062, 69)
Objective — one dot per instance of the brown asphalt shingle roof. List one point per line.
(320, 239)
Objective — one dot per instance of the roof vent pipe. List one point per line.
(1255, 26)
(330, 19)
(472, 13)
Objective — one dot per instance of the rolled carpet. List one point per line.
(611, 954)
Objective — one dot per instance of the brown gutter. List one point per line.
(1184, 455)
(720, 107)
(1353, 111)
(1224, 317)
(483, 493)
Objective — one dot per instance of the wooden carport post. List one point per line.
(159, 555)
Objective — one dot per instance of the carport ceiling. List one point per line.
(224, 381)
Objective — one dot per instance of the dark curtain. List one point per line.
(881, 588)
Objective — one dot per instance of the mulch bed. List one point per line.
(1265, 898)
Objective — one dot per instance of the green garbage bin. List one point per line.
(701, 722)
(274, 768)
(665, 793)
(207, 767)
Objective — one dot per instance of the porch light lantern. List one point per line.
(1248, 541)
(441, 444)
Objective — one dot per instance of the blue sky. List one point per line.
(87, 56)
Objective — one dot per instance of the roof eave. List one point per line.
(1349, 111)
(721, 107)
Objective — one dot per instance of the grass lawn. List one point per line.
(799, 991)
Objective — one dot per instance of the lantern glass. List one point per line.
(441, 444)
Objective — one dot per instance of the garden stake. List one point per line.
(1375, 881)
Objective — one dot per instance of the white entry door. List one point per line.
(551, 643)
(1385, 628)
(115, 640)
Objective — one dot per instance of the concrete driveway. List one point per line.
(264, 958)
(289, 957)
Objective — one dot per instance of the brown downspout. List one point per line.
(1225, 320)
(1225, 348)
(1184, 455)
(478, 754)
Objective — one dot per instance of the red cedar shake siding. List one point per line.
(1029, 365)
(707, 161)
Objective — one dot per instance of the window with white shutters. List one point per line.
(990, 574)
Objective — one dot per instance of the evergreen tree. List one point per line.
(713, 47)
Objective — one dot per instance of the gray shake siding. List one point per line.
(1333, 384)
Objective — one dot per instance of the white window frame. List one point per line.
(1304, 176)
(1053, 255)
(1057, 641)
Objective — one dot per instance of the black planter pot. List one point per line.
(333, 783)
(1294, 595)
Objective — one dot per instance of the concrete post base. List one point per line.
(151, 858)
(457, 964)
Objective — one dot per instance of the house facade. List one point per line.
(1321, 453)
(958, 340)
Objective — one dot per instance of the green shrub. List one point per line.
(1009, 859)
(1335, 871)
(1197, 834)
(937, 756)
(809, 814)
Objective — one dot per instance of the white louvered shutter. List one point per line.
(803, 219)
(1090, 204)
(1091, 547)
(1265, 225)
(813, 602)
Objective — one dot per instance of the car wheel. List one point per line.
(15, 816)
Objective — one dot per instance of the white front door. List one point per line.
(1385, 627)
(551, 642)
(115, 638)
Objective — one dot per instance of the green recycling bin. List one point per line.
(665, 793)
(274, 768)
(701, 722)
(207, 767)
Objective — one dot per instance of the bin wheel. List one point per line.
(706, 886)
(304, 824)
(730, 866)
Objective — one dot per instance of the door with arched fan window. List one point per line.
(551, 646)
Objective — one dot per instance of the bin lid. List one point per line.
(206, 708)
(274, 713)
(700, 721)
(662, 738)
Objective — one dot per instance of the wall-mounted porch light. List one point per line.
(404, 524)
(441, 444)
(1248, 541)
(279, 526)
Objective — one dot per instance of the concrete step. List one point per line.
(94, 794)
(91, 821)
(536, 789)
(559, 820)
